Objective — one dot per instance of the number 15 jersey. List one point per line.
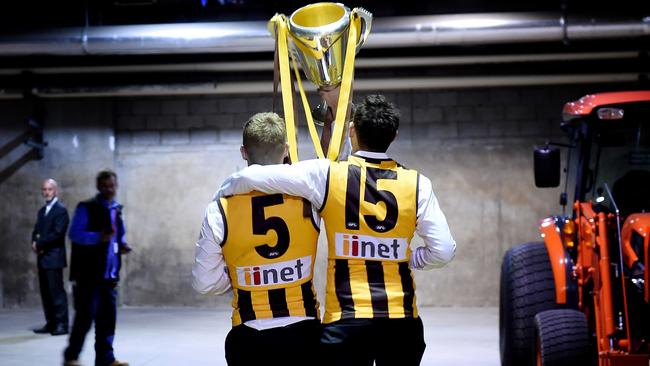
(270, 248)
(370, 214)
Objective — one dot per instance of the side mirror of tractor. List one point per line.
(547, 167)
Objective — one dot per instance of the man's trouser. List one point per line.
(295, 344)
(55, 300)
(360, 342)
(94, 301)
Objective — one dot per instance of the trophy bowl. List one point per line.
(323, 38)
(319, 37)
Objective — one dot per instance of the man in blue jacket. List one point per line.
(97, 233)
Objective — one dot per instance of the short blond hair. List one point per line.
(265, 137)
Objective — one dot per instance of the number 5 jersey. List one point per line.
(269, 247)
(368, 274)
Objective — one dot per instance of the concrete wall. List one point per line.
(172, 153)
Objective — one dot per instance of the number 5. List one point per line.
(371, 195)
(262, 225)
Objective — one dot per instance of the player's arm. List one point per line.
(439, 246)
(331, 97)
(209, 272)
(307, 179)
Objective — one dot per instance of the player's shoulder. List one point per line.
(424, 183)
(214, 207)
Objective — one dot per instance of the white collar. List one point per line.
(52, 202)
(371, 154)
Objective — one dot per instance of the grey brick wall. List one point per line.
(532, 112)
(193, 121)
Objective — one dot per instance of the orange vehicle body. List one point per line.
(639, 223)
(590, 268)
(556, 252)
(594, 268)
(586, 104)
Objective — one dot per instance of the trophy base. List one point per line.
(319, 113)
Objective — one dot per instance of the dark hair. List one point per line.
(376, 121)
(105, 174)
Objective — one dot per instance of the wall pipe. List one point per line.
(384, 85)
(252, 36)
(360, 63)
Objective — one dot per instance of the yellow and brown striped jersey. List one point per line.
(370, 214)
(269, 247)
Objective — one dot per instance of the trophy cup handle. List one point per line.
(365, 18)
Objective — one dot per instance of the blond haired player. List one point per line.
(264, 246)
(371, 206)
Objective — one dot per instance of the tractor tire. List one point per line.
(527, 288)
(562, 338)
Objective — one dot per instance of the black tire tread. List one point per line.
(563, 337)
(527, 287)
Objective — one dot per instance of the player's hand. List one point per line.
(330, 95)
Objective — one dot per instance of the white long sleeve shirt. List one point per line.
(308, 179)
(209, 272)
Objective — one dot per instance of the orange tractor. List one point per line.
(581, 295)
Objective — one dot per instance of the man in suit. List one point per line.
(48, 242)
(97, 233)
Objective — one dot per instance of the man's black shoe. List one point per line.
(59, 330)
(43, 330)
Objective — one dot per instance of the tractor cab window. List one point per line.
(621, 158)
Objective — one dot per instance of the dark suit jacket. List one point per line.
(49, 235)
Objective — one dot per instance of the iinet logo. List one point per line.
(370, 247)
(276, 273)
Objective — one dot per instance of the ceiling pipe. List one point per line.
(386, 84)
(252, 36)
(360, 63)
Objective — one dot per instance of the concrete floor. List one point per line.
(190, 336)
